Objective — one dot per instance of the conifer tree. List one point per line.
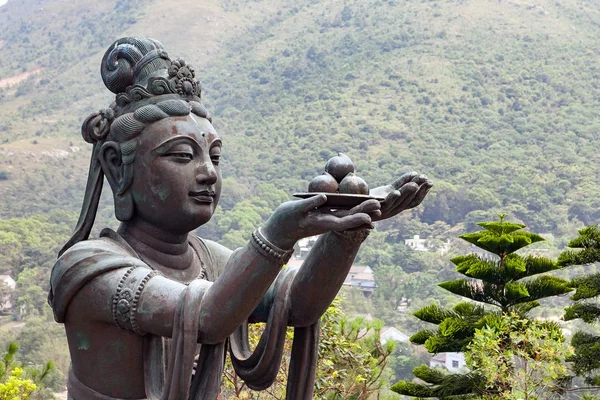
(586, 360)
(500, 283)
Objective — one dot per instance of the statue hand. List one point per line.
(404, 193)
(298, 219)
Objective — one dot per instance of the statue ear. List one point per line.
(112, 166)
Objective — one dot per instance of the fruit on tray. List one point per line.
(323, 183)
(352, 184)
(339, 177)
(339, 166)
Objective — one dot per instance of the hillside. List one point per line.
(496, 101)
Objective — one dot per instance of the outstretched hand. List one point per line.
(404, 193)
(298, 219)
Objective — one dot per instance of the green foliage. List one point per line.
(507, 284)
(22, 383)
(352, 362)
(518, 358)
(586, 307)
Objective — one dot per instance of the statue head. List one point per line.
(155, 144)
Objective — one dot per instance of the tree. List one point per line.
(502, 280)
(586, 360)
(517, 358)
(352, 361)
(20, 383)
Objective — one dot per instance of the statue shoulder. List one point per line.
(83, 262)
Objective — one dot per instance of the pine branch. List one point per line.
(434, 376)
(472, 289)
(439, 343)
(515, 292)
(537, 265)
(447, 386)
(501, 227)
(433, 314)
(412, 389)
(545, 286)
(589, 237)
(501, 244)
(588, 312)
(474, 267)
(587, 287)
(586, 360)
(581, 257)
(421, 336)
(466, 309)
(523, 308)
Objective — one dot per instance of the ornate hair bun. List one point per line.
(136, 69)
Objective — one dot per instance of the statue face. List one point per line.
(177, 179)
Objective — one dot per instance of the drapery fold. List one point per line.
(169, 364)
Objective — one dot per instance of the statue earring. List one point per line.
(123, 207)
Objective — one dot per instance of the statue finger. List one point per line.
(390, 200)
(353, 221)
(404, 179)
(362, 227)
(420, 179)
(423, 190)
(366, 207)
(408, 193)
(312, 202)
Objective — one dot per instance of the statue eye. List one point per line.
(181, 153)
(215, 155)
(181, 156)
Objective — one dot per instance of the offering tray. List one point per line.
(340, 200)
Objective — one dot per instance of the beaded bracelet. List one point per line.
(269, 250)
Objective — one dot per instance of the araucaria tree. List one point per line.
(586, 360)
(498, 282)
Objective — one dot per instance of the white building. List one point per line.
(454, 362)
(391, 333)
(6, 295)
(418, 244)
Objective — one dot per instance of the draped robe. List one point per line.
(169, 365)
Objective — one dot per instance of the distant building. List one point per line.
(6, 295)
(391, 333)
(361, 277)
(304, 246)
(418, 244)
(454, 362)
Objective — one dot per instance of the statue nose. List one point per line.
(206, 173)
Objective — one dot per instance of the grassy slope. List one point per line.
(496, 101)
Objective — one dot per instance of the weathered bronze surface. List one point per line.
(148, 309)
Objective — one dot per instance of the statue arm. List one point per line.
(153, 301)
(322, 274)
(317, 281)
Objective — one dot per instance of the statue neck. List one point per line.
(157, 247)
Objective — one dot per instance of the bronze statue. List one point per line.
(151, 309)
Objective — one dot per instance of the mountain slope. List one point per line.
(497, 101)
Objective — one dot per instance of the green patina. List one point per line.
(83, 341)
(162, 191)
(139, 197)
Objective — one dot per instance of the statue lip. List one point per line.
(203, 196)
